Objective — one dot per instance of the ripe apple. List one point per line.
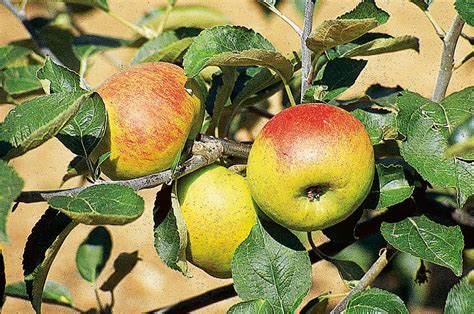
(311, 166)
(152, 108)
(219, 212)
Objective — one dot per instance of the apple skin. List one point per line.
(219, 213)
(152, 108)
(311, 166)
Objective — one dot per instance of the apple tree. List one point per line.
(417, 167)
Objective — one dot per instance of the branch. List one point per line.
(292, 24)
(368, 278)
(439, 30)
(305, 52)
(447, 59)
(199, 301)
(33, 32)
(206, 151)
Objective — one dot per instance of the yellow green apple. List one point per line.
(219, 213)
(311, 166)
(152, 108)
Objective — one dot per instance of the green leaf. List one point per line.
(167, 47)
(427, 127)
(272, 264)
(59, 39)
(349, 271)
(41, 248)
(170, 230)
(102, 158)
(20, 80)
(367, 9)
(35, 121)
(10, 187)
(338, 75)
(299, 6)
(461, 298)
(100, 4)
(56, 78)
(422, 4)
(76, 167)
(222, 92)
(254, 81)
(123, 265)
(85, 46)
(53, 292)
(390, 187)
(384, 45)
(85, 130)
(428, 240)
(184, 16)
(101, 204)
(465, 9)
(317, 305)
(380, 124)
(10, 53)
(383, 95)
(254, 306)
(234, 46)
(461, 141)
(331, 33)
(93, 253)
(376, 300)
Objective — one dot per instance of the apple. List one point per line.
(311, 166)
(152, 108)
(219, 213)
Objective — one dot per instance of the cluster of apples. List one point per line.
(309, 168)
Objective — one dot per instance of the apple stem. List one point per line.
(289, 93)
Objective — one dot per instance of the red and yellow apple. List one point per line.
(152, 108)
(311, 166)
(219, 213)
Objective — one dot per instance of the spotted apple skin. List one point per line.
(219, 213)
(311, 166)
(152, 109)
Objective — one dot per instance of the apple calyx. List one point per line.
(314, 193)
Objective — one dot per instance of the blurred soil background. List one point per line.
(151, 284)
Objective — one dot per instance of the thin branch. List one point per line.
(286, 19)
(206, 151)
(199, 301)
(447, 59)
(33, 32)
(164, 19)
(305, 52)
(144, 31)
(468, 38)
(439, 30)
(368, 278)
